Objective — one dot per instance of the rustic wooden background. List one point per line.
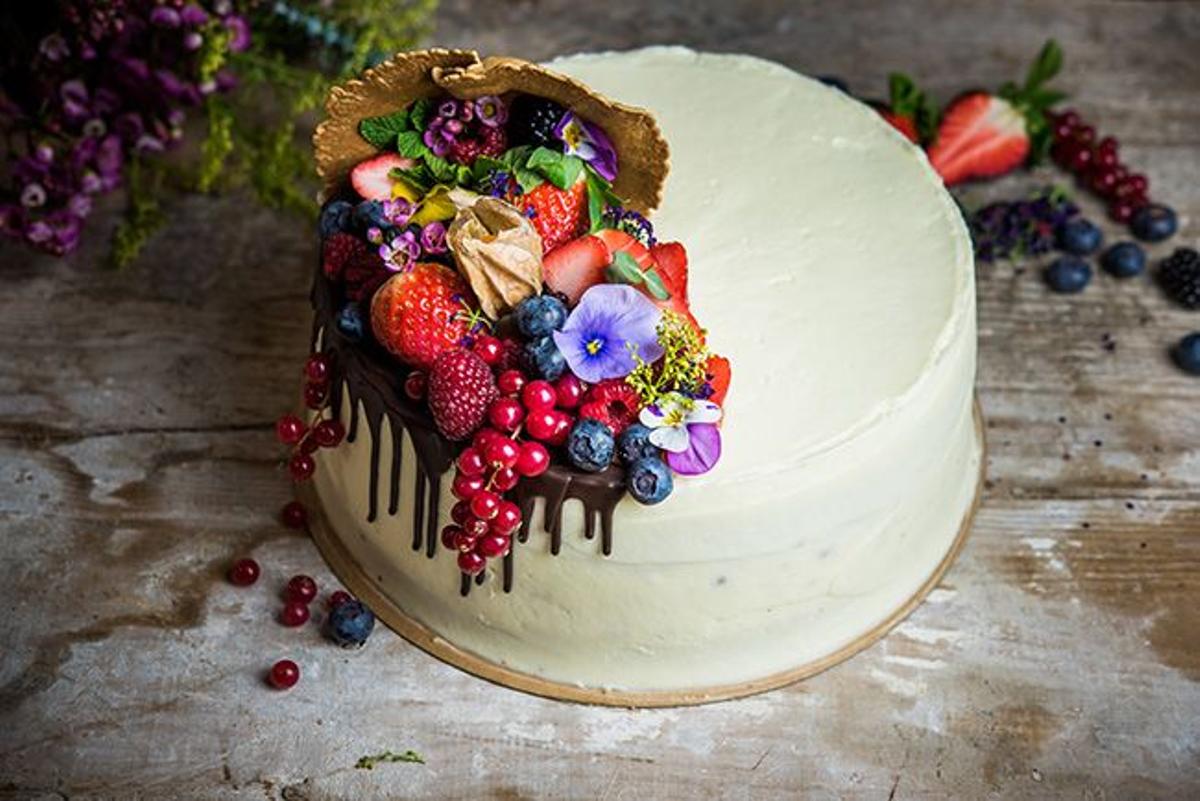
(1060, 658)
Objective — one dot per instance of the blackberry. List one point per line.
(531, 121)
(1179, 275)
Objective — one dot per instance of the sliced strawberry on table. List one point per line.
(576, 267)
(670, 260)
(372, 179)
(422, 312)
(559, 215)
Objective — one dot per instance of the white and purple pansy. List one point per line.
(589, 142)
(686, 429)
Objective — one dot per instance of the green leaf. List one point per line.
(1045, 66)
(516, 157)
(443, 172)
(462, 175)
(381, 132)
(595, 201)
(419, 176)
(418, 113)
(485, 166)
(369, 762)
(655, 285)
(527, 179)
(410, 145)
(624, 270)
(557, 168)
(543, 157)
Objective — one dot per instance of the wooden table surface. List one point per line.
(1060, 658)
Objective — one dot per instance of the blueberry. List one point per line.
(540, 316)
(1153, 223)
(634, 443)
(335, 217)
(590, 445)
(649, 480)
(544, 357)
(350, 322)
(1124, 260)
(1068, 274)
(350, 624)
(1187, 353)
(370, 213)
(1079, 236)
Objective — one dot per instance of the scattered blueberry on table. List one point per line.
(1068, 274)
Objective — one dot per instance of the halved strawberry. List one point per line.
(908, 110)
(371, 178)
(670, 259)
(557, 214)
(719, 375)
(621, 241)
(904, 124)
(576, 267)
(981, 136)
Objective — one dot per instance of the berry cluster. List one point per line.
(304, 441)
(1097, 165)
(1014, 229)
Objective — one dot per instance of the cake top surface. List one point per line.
(828, 262)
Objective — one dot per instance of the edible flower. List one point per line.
(589, 142)
(686, 429)
(399, 253)
(433, 238)
(610, 324)
(491, 111)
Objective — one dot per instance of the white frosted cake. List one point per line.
(833, 270)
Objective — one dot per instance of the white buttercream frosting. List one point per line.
(835, 272)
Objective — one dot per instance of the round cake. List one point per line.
(833, 270)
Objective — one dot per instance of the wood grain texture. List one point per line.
(1059, 658)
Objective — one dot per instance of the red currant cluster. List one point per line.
(484, 519)
(1097, 165)
(304, 441)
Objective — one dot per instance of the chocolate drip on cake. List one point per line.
(363, 375)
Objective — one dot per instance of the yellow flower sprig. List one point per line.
(683, 366)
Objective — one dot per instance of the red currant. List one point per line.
(1138, 184)
(294, 614)
(244, 572)
(541, 424)
(329, 433)
(568, 391)
(294, 515)
(506, 414)
(300, 589)
(493, 545)
(504, 479)
(302, 466)
(337, 598)
(316, 369)
(461, 512)
(309, 444)
(1121, 210)
(488, 348)
(534, 459)
(289, 429)
(475, 527)
(508, 518)
(466, 487)
(1079, 157)
(415, 385)
(284, 674)
(484, 437)
(314, 396)
(471, 563)
(511, 382)
(471, 463)
(485, 504)
(1103, 180)
(562, 428)
(1085, 134)
(538, 396)
(450, 537)
(1061, 130)
(1070, 117)
(502, 453)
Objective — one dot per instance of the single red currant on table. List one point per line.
(300, 589)
(337, 598)
(244, 572)
(290, 429)
(294, 515)
(294, 614)
(284, 674)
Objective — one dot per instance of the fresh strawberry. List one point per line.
(620, 241)
(363, 273)
(559, 215)
(371, 179)
(460, 390)
(908, 111)
(719, 374)
(576, 267)
(670, 260)
(337, 251)
(419, 313)
(983, 135)
(905, 125)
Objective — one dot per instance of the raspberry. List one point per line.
(337, 251)
(493, 142)
(465, 151)
(461, 388)
(364, 273)
(612, 402)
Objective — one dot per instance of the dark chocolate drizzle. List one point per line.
(370, 377)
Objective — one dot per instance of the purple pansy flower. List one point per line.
(600, 332)
(686, 429)
(589, 142)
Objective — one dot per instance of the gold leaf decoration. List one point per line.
(642, 150)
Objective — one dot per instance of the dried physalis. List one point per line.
(499, 252)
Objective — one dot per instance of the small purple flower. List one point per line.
(54, 47)
(164, 17)
(491, 111)
(375, 235)
(148, 143)
(90, 183)
(602, 332)
(433, 238)
(589, 142)
(80, 205)
(39, 232)
(192, 40)
(33, 196)
(448, 109)
(44, 153)
(171, 84)
(399, 254)
(703, 451)
(193, 15)
(240, 30)
(398, 211)
(74, 95)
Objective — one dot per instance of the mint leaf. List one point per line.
(381, 132)
(516, 157)
(624, 270)
(527, 179)
(410, 145)
(418, 113)
(543, 157)
(1045, 66)
(419, 176)
(485, 166)
(462, 175)
(596, 196)
(557, 168)
(656, 286)
(443, 172)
